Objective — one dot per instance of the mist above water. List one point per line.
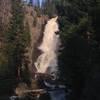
(47, 61)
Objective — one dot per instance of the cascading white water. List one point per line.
(47, 61)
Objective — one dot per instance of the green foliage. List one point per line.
(79, 29)
(49, 8)
(6, 87)
(35, 22)
(17, 38)
(3, 65)
(37, 9)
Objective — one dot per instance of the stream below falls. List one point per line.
(55, 94)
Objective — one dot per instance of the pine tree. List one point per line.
(79, 30)
(17, 38)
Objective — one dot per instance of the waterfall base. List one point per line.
(41, 85)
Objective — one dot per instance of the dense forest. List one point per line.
(79, 23)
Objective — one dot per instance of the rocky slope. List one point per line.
(33, 19)
(5, 15)
(36, 24)
(5, 9)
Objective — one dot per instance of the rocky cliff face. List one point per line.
(5, 9)
(5, 15)
(33, 19)
(36, 24)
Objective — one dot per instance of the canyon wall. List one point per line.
(36, 24)
(34, 20)
(5, 15)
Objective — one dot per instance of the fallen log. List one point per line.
(35, 91)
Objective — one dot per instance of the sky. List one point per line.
(33, 0)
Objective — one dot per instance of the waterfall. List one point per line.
(47, 61)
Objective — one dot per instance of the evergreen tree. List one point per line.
(17, 38)
(80, 38)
